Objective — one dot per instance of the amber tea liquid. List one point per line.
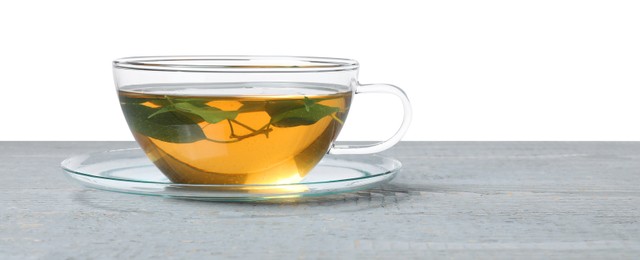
(245, 133)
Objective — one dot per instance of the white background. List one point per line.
(474, 70)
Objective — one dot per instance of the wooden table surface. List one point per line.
(492, 200)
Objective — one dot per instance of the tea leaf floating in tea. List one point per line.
(210, 114)
(296, 113)
(175, 120)
(170, 127)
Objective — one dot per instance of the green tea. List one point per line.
(225, 136)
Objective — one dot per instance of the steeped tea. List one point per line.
(235, 135)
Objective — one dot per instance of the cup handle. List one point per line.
(381, 146)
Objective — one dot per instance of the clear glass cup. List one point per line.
(197, 110)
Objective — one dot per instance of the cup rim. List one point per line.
(235, 63)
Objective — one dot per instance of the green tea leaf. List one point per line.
(199, 110)
(251, 106)
(169, 108)
(194, 101)
(298, 113)
(274, 108)
(141, 100)
(173, 127)
(308, 103)
(210, 114)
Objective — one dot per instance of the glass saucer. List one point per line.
(130, 171)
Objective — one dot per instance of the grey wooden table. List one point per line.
(497, 200)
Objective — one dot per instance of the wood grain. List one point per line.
(487, 200)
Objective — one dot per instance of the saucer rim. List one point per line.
(64, 165)
(235, 192)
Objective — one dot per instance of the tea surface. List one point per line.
(223, 135)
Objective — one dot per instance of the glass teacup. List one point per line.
(242, 119)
